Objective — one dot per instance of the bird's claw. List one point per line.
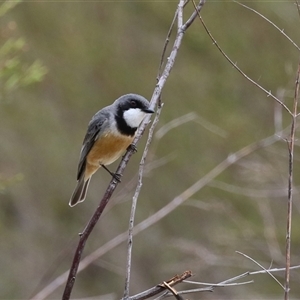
(132, 147)
(117, 176)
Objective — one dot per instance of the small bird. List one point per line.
(110, 132)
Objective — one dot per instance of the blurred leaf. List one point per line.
(7, 5)
(11, 45)
(34, 73)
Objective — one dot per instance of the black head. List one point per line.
(130, 111)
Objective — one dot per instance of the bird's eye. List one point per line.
(133, 103)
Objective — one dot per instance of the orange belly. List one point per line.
(105, 151)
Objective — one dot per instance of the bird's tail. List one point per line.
(79, 193)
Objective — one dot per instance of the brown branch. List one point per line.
(274, 25)
(161, 287)
(84, 236)
(291, 144)
(113, 184)
(134, 201)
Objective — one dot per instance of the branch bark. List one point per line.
(291, 144)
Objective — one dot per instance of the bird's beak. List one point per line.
(148, 111)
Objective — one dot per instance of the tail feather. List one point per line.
(84, 190)
(79, 193)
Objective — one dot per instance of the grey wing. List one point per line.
(95, 126)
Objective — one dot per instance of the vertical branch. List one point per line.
(181, 29)
(134, 203)
(291, 144)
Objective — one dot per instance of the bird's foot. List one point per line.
(132, 147)
(116, 176)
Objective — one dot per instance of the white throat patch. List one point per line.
(133, 117)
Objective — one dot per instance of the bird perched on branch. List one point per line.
(110, 132)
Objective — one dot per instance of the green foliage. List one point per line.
(15, 72)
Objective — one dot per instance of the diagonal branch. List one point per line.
(273, 24)
(269, 93)
(113, 184)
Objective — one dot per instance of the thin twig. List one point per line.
(173, 291)
(298, 7)
(167, 41)
(134, 201)
(218, 284)
(291, 144)
(165, 46)
(261, 266)
(265, 18)
(196, 12)
(273, 270)
(210, 288)
(180, 31)
(161, 287)
(192, 116)
(269, 93)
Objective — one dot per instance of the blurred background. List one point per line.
(63, 61)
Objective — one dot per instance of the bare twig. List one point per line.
(167, 41)
(218, 284)
(268, 93)
(180, 31)
(134, 201)
(161, 287)
(265, 18)
(261, 266)
(165, 46)
(231, 281)
(210, 287)
(291, 144)
(198, 8)
(173, 291)
(298, 7)
(192, 116)
(273, 270)
(254, 193)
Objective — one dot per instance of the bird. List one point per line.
(110, 132)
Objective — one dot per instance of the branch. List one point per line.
(180, 31)
(269, 93)
(134, 202)
(113, 184)
(291, 144)
(265, 18)
(161, 287)
(257, 263)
